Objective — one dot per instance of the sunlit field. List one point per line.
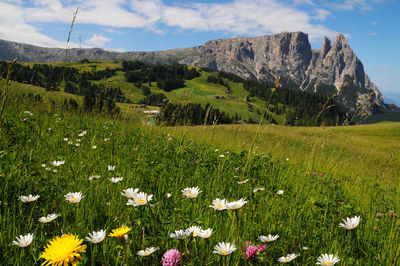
(96, 174)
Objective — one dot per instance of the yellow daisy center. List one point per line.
(223, 252)
(328, 263)
(181, 236)
(190, 194)
(194, 234)
(140, 201)
(73, 199)
(219, 206)
(146, 253)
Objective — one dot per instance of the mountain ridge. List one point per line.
(288, 55)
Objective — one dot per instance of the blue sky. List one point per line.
(371, 26)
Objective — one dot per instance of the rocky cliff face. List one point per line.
(288, 55)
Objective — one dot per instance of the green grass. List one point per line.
(306, 215)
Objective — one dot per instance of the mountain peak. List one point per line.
(286, 54)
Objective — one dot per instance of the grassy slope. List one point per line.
(307, 214)
(364, 154)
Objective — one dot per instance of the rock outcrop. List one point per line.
(288, 55)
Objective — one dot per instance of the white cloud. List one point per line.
(321, 14)
(372, 33)
(363, 5)
(14, 28)
(238, 17)
(97, 40)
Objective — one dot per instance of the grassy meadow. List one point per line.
(323, 175)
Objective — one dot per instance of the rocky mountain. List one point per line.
(334, 69)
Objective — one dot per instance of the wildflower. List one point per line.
(221, 156)
(23, 241)
(280, 192)
(94, 177)
(29, 198)
(48, 218)
(216, 150)
(258, 189)
(78, 140)
(194, 230)
(43, 165)
(236, 205)
(191, 192)
(350, 224)
(94, 147)
(170, 138)
(65, 139)
(288, 258)
(147, 251)
(83, 133)
(63, 250)
(28, 113)
(106, 139)
(120, 232)
(261, 248)
(305, 248)
(115, 179)
(70, 142)
(49, 129)
(111, 168)
(379, 215)
(268, 238)
(139, 199)
(219, 205)
(179, 234)
(96, 237)
(77, 144)
(251, 252)
(57, 163)
(25, 119)
(171, 257)
(242, 182)
(326, 259)
(224, 249)
(74, 197)
(206, 233)
(169, 195)
(130, 193)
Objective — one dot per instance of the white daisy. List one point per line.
(139, 199)
(235, 205)
(191, 192)
(350, 223)
(74, 197)
(256, 189)
(242, 182)
(130, 193)
(111, 167)
(29, 198)
(94, 177)
(147, 251)
(288, 258)
(268, 238)
(23, 241)
(94, 147)
(206, 233)
(219, 204)
(179, 234)
(57, 163)
(280, 192)
(327, 260)
(194, 230)
(48, 218)
(115, 179)
(96, 237)
(224, 249)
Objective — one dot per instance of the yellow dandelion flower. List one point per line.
(120, 232)
(63, 250)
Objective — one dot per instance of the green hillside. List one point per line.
(237, 98)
